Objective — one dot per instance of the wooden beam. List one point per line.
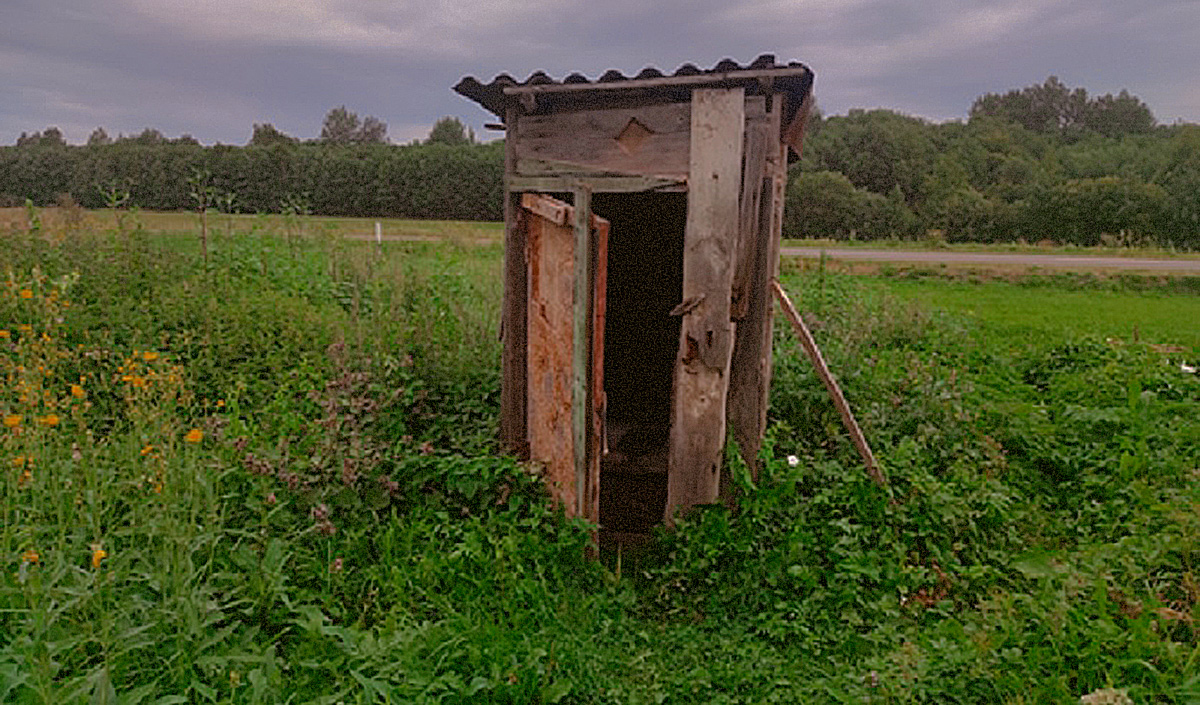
(701, 377)
(582, 351)
(750, 369)
(754, 164)
(513, 319)
(551, 209)
(835, 392)
(597, 403)
(598, 183)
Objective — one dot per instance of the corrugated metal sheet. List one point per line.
(794, 79)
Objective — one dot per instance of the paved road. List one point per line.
(1061, 262)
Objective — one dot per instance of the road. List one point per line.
(989, 259)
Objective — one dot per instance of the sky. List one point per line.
(213, 68)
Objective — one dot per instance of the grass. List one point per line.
(1048, 247)
(272, 478)
(1048, 307)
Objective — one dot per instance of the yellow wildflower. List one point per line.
(49, 420)
(77, 391)
(148, 450)
(220, 403)
(98, 555)
(26, 294)
(26, 477)
(12, 420)
(194, 436)
(149, 356)
(18, 461)
(4, 333)
(31, 556)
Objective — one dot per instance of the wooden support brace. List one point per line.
(835, 392)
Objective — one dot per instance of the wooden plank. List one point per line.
(793, 132)
(835, 392)
(551, 209)
(706, 332)
(750, 370)
(712, 79)
(661, 119)
(513, 319)
(597, 404)
(582, 349)
(551, 350)
(563, 183)
(648, 140)
(753, 167)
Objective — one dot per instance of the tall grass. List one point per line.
(273, 479)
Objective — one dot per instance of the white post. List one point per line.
(378, 234)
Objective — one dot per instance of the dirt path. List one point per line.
(988, 259)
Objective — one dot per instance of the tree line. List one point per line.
(1042, 163)
(1046, 162)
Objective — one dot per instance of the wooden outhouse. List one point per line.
(643, 220)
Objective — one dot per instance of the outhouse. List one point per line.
(643, 219)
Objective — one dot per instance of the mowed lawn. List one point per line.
(1149, 316)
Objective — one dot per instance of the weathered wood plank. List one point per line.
(551, 351)
(582, 348)
(551, 209)
(648, 140)
(706, 334)
(749, 234)
(563, 183)
(513, 358)
(597, 403)
(750, 369)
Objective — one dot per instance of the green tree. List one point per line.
(342, 126)
(50, 137)
(1054, 108)
(266, 135)
(148, 137)
(876, 150)
(451, 131)
(98, 137)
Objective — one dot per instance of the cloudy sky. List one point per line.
(212, 68)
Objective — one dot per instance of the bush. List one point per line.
(463, 182)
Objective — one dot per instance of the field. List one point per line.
(263, 469)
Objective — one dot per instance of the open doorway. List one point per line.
(641, 340)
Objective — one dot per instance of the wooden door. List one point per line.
(566, 255)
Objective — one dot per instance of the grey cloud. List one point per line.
(184, 67)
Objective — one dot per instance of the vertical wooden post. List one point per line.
(581, 402)
(750, 370)
(596, 404)
(514, 357)
(706, 332)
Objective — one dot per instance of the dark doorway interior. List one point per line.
(641, 338)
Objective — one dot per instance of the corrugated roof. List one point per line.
(503, 91)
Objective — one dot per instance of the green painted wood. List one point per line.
(581, 402)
